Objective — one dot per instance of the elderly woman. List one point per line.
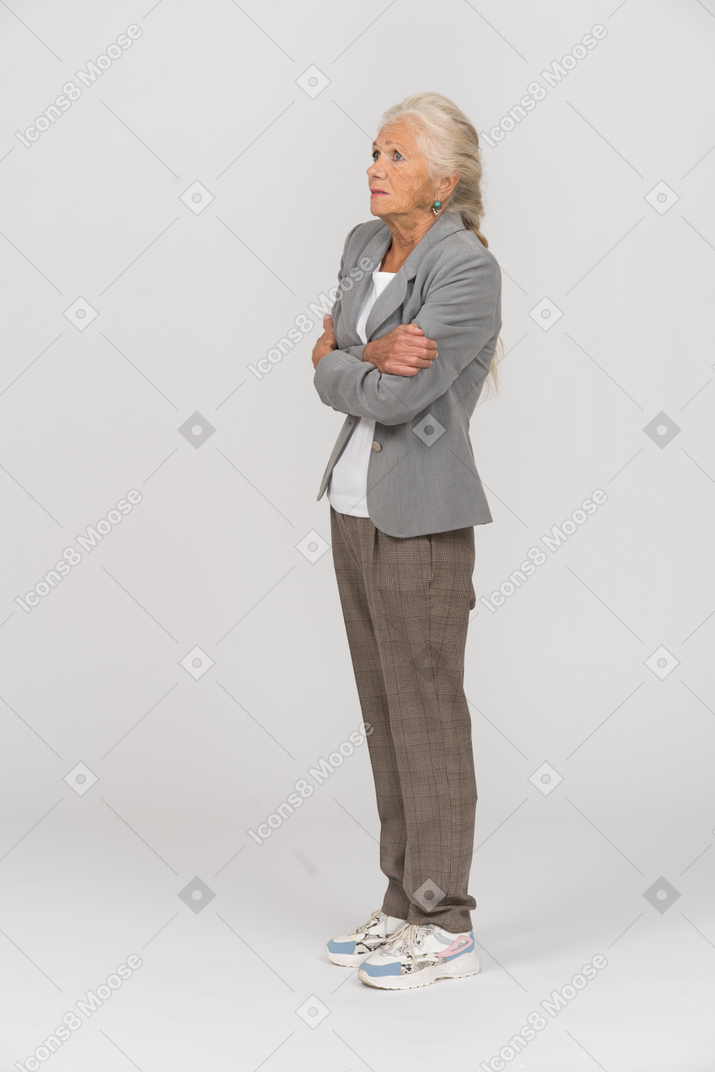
(405, 354)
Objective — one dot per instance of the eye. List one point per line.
(398, 153)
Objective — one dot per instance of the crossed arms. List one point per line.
(460, 314)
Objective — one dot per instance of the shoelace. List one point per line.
(374, 918)
(408, 940)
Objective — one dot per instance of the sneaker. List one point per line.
(350, 950)
(419, 955)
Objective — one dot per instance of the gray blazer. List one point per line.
(422, 477)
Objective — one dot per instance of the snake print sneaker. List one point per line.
(419, 955)
(350, 950)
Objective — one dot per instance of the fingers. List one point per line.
(418, 342)
(410, 355)
(416, 335)
(404, 351)
(413, 357)
(409, 363)
(403, 366)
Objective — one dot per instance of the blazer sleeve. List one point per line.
(341, 269)
(356, 350)
(460, 312)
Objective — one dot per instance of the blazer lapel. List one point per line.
(394, 293)
(352, 300)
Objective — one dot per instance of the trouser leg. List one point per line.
(406, 605)
(348, 543)
(421, 592)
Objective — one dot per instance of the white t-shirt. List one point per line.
(348, 481)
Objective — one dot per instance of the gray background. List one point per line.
(214, 554)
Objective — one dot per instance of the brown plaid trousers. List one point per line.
(406, 603)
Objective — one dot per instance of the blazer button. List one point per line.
(376, 445)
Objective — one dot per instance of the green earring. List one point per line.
(436, 207)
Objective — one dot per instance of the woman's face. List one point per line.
(398, 175)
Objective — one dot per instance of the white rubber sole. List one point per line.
(461, 968)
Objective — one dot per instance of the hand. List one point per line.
(326, 342)
(402, 352)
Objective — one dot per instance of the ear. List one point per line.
(446, 186)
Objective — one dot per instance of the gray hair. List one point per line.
(450, 144)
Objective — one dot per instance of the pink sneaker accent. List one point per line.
(459, 945)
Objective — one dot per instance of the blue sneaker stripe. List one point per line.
(341, 947)
(380, 969)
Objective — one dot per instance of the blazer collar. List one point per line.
(394, 294)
